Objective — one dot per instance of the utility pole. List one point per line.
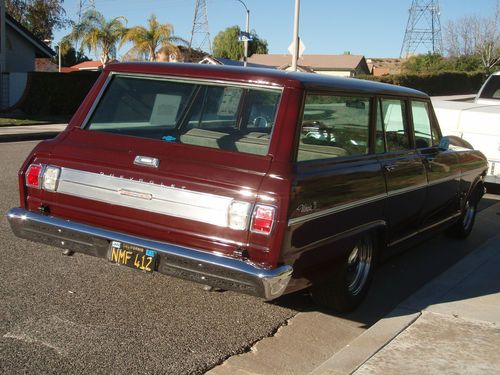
(247, 35)
(295, 54)
(423, 28)
(59, 53)
(200, 36)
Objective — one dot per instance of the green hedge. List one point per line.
(447, 83)
(56, 94)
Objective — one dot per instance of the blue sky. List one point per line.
(366, 27)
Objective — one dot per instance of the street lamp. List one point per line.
(245, 57)
(49, 41)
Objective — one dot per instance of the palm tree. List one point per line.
(99, 34)
(148, 41)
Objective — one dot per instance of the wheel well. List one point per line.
(477, 190)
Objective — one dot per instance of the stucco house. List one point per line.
(18, 50)
(345, 65)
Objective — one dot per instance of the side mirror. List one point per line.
(448, 140)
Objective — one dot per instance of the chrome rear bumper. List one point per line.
(182, 262)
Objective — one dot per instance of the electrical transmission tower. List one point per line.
(200, 36)
(423, 28)
(83, 6)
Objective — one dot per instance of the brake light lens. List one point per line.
(34, 176)
(263, 219)
(40, 176)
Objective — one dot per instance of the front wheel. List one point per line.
(346, 289)
(463, 227)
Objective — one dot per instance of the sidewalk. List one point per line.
(451, 325)
(19, 133)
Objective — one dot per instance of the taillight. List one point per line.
(34, 176)
(263, 219)
(50, 178)
(44, 177)
(239, 213)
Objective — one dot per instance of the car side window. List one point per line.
(421, 124)
(395, 124)
(334, 126)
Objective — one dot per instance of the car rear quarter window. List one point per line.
(334, 126)
(205, 114)
(491, 90)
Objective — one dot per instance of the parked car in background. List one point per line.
(477, 123)
(254, 180)
(490, 91)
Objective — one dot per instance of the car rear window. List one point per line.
(492, 88)
(228, 117)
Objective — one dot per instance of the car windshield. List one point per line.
(228, 117)
(492, 88)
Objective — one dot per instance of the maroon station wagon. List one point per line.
(252, 180)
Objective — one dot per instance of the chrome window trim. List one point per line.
(206, 81)
(97, 100)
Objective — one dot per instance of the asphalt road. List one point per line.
(80, 314)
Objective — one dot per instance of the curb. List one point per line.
(365, 346)
(354, 355)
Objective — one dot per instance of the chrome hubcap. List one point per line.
(358, 266)
(469, 211)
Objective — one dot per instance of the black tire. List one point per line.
(462, 228)
(348, 286)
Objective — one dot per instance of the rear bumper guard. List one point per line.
(181, 262)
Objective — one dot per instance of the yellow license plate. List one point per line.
(132, 256)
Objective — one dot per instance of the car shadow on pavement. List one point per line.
(400, 276)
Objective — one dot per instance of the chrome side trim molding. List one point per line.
(166, 200)
(406, 190)
(347, 233)
(454, 216)
(445, 179)
(178, 261)
(347, 206)
(335, 209)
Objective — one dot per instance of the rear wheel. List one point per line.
(463, 227)
(346, 289)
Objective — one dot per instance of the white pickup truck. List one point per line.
(476, 122)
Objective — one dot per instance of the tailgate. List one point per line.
(186, 199)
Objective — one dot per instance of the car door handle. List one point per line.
(390, 167)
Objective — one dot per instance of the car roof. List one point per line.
(263, 76)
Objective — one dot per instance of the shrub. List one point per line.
(56, 94)
(446, 83)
